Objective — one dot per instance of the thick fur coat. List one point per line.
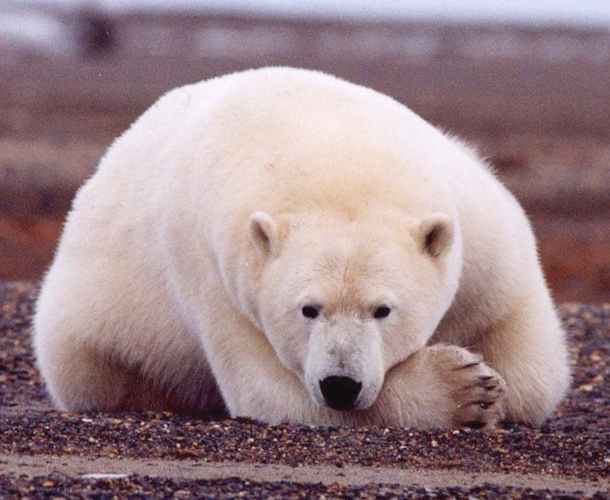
(298, 248)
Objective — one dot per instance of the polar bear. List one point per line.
(297, 248)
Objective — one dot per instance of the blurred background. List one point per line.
(527, 82)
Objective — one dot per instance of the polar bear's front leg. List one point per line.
(442, 386)
(254, 383)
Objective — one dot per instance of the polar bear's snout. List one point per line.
(344, 368)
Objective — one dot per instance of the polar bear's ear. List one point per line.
(265, 233)
(436, 234)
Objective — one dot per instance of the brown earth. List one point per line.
(46, 452)
(536, 101)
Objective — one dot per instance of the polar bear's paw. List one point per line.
(476, 390)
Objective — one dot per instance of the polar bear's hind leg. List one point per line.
(530, 352)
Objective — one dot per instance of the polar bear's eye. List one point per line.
(381, 312)
(310, 312)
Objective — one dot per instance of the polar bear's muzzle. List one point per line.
(344, 367)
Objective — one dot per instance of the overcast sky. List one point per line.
(596, 12)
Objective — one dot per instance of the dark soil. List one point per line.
(575, 442)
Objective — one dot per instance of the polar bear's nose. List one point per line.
(340, 393)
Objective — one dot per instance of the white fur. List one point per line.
(232, 203)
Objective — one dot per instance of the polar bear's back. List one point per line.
(207, 155)
(203, 158)
(242, 135)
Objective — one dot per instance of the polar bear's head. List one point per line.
(342, 301)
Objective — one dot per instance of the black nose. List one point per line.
(340, 393)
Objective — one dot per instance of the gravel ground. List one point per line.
(57, 485)
(574, 443)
